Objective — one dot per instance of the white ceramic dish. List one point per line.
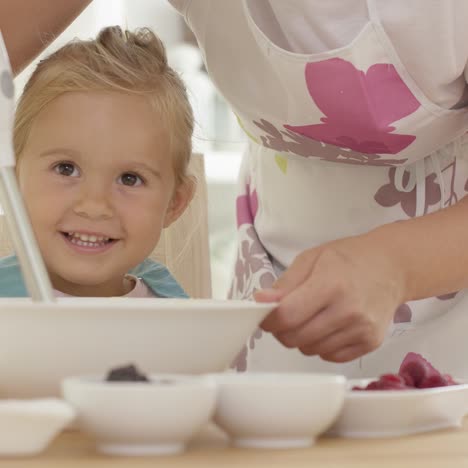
(277, 410)
(28, 426)
(142, 418)
(40, 344)
(394, 413)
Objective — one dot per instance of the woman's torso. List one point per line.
(355, 119)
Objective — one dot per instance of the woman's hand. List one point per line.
(336, 300)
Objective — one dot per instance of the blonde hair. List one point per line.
(117, 60)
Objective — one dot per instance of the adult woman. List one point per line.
(351, 129)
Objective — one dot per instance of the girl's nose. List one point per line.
(94, 203)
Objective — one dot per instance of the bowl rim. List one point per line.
(181, 381)
(154, 304)
(399, 394)
(278, 379)
(38, 407)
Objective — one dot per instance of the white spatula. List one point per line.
(32, 266)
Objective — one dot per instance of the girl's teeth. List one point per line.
(77, 241)
(87, 238)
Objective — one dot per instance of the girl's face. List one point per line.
(99, 186)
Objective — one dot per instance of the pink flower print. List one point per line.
(253, 268)
(388, 195)
(248, 262)
(403, 314)
(247, 207)
(253, 271)
(299, 145)
(256, 336)
(446, 297)
(266, 280)
(359, 106)
(240, 361)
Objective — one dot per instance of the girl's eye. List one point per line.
(66, 169)
(131, 180)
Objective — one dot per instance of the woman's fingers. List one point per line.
(346, 354)
(342, 342)
(268, 295)
(325, 323)
(299, 306)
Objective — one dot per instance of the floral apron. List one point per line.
(339, 142)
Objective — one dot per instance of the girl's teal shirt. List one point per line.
(155, 275)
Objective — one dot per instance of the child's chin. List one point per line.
(78, 281)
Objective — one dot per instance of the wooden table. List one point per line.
(448, 448)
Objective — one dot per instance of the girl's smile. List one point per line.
(88, 243)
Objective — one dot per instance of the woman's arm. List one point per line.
(431, 251)
(337, 300)
(28, 26)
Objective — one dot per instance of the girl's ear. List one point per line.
(182, 197)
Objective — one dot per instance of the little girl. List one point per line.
(102, 139)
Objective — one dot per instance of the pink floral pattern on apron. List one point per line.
(253, 270)
(388, 195)
(447, 297)
(286, 141)
(403, 314)
(246, 206)
(359, 106)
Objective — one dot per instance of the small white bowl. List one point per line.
(28, 426)
(396, 413)
(277, 410)
(142, 418)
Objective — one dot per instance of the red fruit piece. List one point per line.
(449, 380)
(434, 381)
(392, 382)
(391, 379)
(419, 369)
(409, 381)
(386, 382)
(375, 385)
(415, 372)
